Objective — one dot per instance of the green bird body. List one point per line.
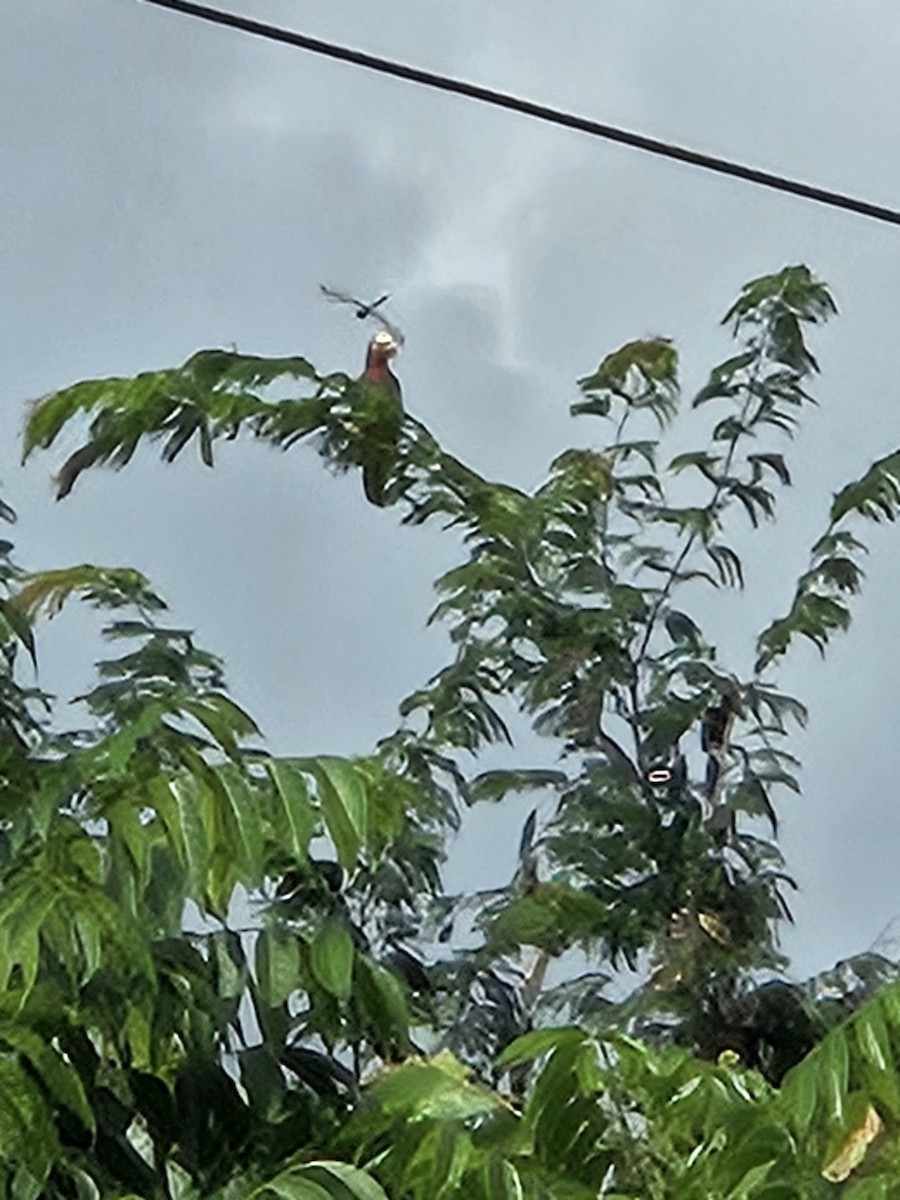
(380, 417)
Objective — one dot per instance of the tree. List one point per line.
(347, 1035)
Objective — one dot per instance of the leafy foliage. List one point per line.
(820, 605)
(364, 1033)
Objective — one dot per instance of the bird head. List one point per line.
(382, 349)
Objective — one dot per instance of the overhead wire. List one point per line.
(528, 108)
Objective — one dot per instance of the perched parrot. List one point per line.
(380, 416)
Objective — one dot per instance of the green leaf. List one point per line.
(750, 1183)
(750, 796)
(538, 1043)
(188, 793)
(295, 1185)
(444, 1153)
(263, 1079)
(294, 818)
(495, 785)
(381, 996)
(756, 500)
(211, 395)
(700, 522)
(597, 406)
(223, 719)
(724, 380)
(654, 358)
(792, 289)
(278, 964)
(873, 1187)
(813, 616)
(876, 495)
(23, 914)
(835, 1066)
(358, 1183)
(342, 795)
(775, 463)
(701, 459)
(502, 1180)
(800, 1096)
(20, 626)
(331, 958)
(642, 374)
(57, 1075)
(874, 1039)
(244, 820)
(26, 1127)
(437, 1089)
(139, 1035)
(104, 587)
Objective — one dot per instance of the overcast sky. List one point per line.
(166, 185)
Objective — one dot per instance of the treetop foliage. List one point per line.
(362, 1032)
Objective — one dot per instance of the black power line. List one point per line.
(541, 112)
